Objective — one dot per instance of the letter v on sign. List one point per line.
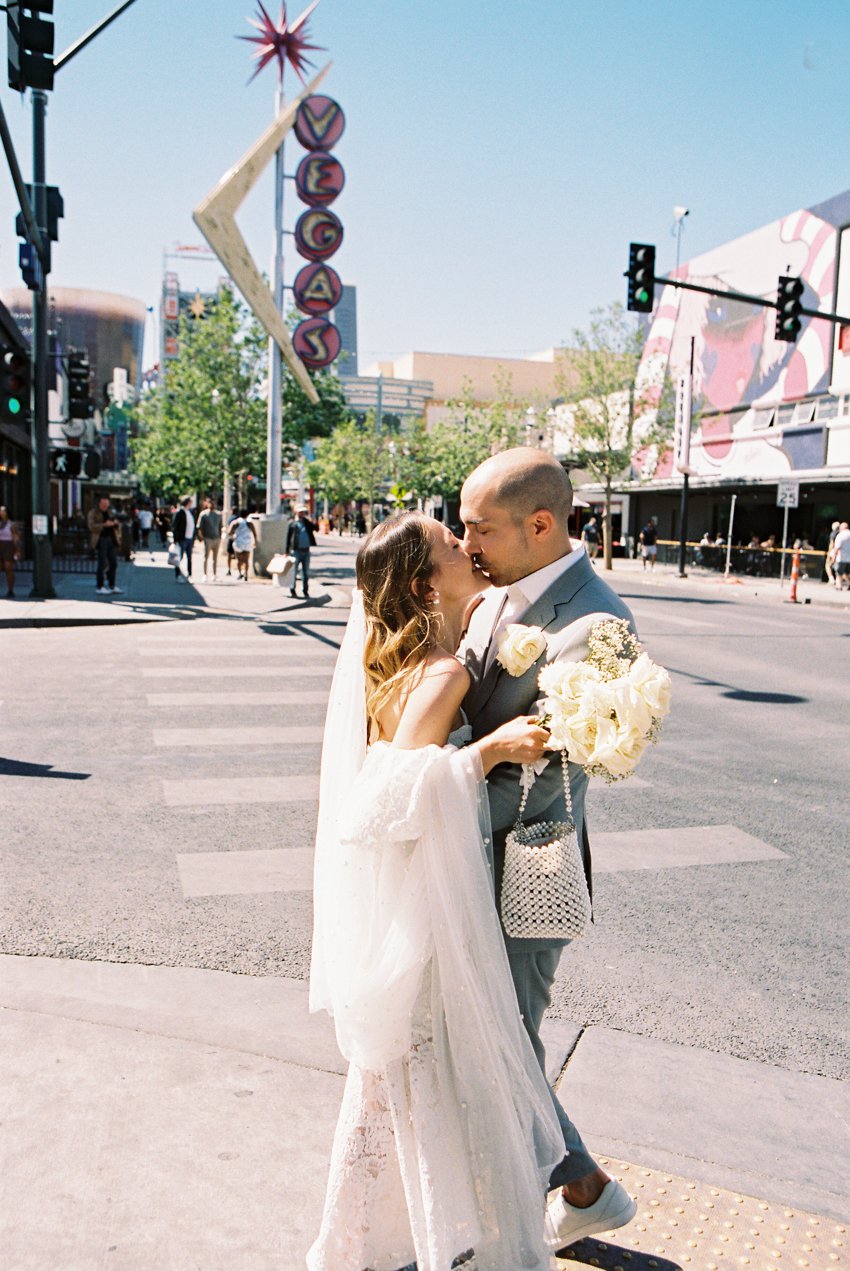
(215, 218)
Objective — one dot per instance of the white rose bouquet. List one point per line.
(606, 710)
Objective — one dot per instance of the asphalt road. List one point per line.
(106, 730)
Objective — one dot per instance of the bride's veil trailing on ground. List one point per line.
(402, 884)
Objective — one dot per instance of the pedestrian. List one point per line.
(145, 525)
(649, 542)
(829, 563)
(183, 531)
(135, 527)
(842, 557)
(244, 537)
(209, 532)
(300, 537)
(590, 538)
(9, 551)
(105, 536)
(360, 524)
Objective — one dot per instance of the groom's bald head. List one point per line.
(522, 481)
(514, 507)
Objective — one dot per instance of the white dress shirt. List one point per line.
(521, 595)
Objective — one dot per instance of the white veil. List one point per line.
(401, 882)
(343, 752)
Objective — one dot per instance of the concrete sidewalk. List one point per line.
(151, 593)
(708, 582)
(159, 1117)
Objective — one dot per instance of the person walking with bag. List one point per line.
(300, 537)
(183, 532)
(105, 536)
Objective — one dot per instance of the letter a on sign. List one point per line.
(317, 288)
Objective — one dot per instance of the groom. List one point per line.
(514, 507)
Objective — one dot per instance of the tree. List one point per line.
(212, 408)
(352, 463)
(208, 412)
(301, 419)
(602, 402)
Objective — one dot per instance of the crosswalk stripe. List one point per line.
(305, 669)
(206, 791)
(274, 648)
(245, 873)
(290, 697)
(676, 848)
(260, 735)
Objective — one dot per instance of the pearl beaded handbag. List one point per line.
(544, 889)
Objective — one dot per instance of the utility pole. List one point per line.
(274, 457)
(42, 552)
(31, 64)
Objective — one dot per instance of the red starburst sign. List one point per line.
(282, 41)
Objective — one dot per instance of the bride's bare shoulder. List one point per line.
(440, 664)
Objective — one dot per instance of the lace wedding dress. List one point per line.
(447, 1135)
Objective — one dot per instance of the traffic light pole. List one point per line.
(42, 554)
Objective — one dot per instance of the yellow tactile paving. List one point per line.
(682, 1225)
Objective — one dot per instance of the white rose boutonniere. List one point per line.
(520, 647)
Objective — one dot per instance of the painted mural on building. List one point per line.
(763, 407)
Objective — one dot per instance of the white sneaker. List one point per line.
(104, 591)
(118, 591)
(564, 1223)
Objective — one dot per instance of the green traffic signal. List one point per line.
(14, 384)
(641, 276)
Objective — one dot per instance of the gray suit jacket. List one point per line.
(565, 613)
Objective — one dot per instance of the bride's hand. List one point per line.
(521, 740)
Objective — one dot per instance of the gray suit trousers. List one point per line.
(533, 972)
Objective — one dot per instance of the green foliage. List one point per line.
(208, 411)
(212, 408)
(352, 463)
(598, 384)
(302, 420)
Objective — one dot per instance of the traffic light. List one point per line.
(66, 463)
(789, 302)
(55, 213)
(15, 379)
(30, 44)
(641, 277)
(80, 404)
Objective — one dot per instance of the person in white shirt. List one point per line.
(145, 525)
(841, 558)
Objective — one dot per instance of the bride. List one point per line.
(447, 1136)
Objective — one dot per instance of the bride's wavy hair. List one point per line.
(394, 570)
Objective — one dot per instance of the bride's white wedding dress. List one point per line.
(447, 1134)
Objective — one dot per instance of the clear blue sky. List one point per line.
(499, 157)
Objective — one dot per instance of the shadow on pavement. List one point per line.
(741, 694)
(16, 768)
(595, 1253)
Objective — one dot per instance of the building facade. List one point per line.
(764, 410)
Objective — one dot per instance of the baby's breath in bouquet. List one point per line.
(605, 710)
